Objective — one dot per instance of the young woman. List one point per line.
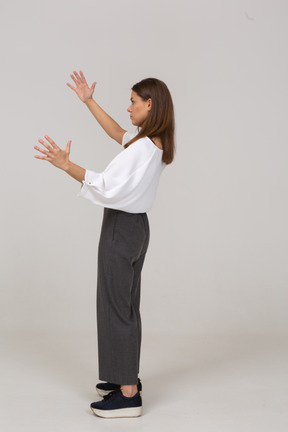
(126, 189)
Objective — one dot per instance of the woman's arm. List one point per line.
(60, 158)
(108, 124)
(85, 95)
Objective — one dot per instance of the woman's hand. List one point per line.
(82, 89)
(57, 157)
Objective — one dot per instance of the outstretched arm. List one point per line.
(60, 158)
(85, 95)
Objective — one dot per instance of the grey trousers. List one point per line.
(122, 247)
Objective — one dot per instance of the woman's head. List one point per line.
(152, 110)
(139, 109)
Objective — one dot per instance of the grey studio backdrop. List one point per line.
(217, 261)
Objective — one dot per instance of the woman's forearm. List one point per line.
(112, 128)
(75, 171)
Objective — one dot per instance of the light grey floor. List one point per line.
(197, 383)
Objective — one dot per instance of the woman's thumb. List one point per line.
(68, 146)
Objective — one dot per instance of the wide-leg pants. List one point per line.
(122, 247)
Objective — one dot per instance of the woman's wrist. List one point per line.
(67, 166)
(75, 171)
(88, 101)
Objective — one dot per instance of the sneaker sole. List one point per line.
(123, 412)
(103, 393)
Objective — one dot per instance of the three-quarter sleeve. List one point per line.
(126, 180)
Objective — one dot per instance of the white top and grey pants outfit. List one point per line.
(126, 190)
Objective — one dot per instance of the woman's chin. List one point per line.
(134, 123)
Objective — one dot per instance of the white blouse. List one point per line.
(130, 181)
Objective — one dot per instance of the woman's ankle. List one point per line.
(129, 390)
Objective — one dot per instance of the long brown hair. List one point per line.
(160, 121)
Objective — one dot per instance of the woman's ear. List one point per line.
(149, 105)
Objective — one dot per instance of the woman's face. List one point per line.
(138, 109)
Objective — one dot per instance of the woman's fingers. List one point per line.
(83, 78)
(47, 146)
(54, 154)
(41, 157)
(41, 150)
(77, 80)
(77, 76)
(69, 85)
(68, 146)
(44, 144)
(74, 79)
(50, 141)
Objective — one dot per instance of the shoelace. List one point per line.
(109, 395)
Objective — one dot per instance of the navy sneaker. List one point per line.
(104, 389)
(115, 404)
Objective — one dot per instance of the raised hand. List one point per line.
(82, 90)
(57, 157)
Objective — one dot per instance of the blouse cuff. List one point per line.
(91, 179)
